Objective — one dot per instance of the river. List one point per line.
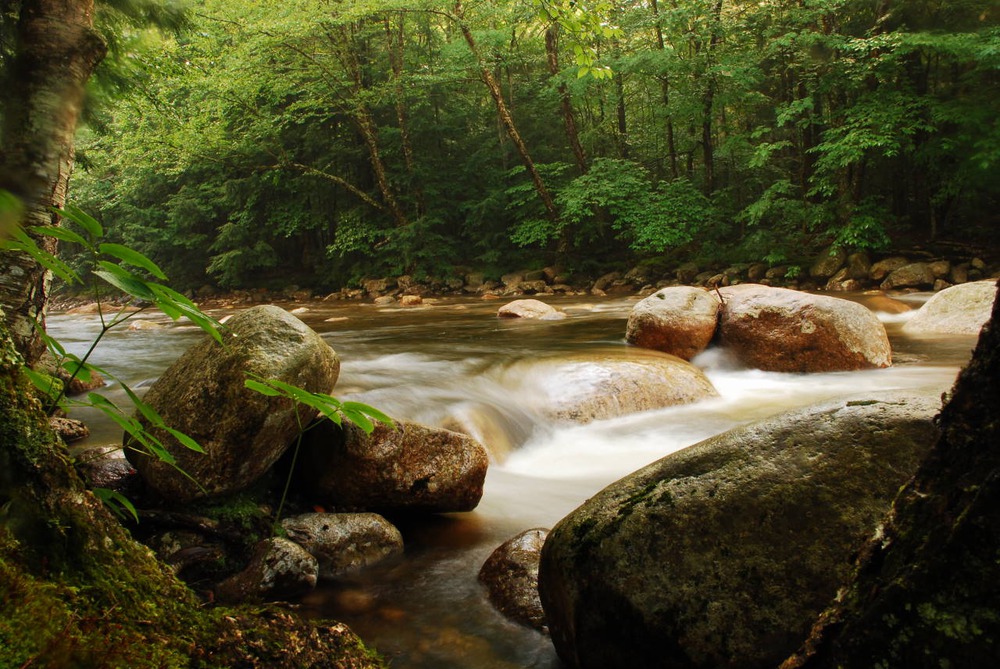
(455, 362)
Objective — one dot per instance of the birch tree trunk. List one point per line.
(56, 50)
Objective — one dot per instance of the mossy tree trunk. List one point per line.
(927, 589)
(77, 591)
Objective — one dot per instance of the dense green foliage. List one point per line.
(316, 142)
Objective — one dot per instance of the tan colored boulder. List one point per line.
(407, 467)
(242, 432)
(723, 554)
(608, 383)
(680, 320)
(530, 308)
(962, 310)
(781, 330)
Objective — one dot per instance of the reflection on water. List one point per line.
(448, 364)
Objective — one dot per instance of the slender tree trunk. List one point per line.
(395, 39)
(566, 103)
(665, 96)
(348, 56)
(620, 117)
(56, 50)
(505, 117)
(708, 103)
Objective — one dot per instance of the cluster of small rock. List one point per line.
(400, 468)
(834, 269)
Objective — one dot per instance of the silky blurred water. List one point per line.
(454, 364)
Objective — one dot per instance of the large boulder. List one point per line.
(724, 553)
(914, 275)
(960, 309)
(680, 320)
(781, 330)
(405, 467)
(510, 575)
(344, 542)
(241, 431)
(607, 383)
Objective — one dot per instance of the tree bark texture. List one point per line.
(927, 588)
(56, 51)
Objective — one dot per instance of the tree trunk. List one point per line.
(566, 103)
(56, 50)
(665, 94)
(395, 39)
(708, 102)
(505, 117)
(926, 589)
(347, 54)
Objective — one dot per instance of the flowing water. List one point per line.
(453, 363)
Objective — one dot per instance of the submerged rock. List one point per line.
(344, 542)
(723, 554)
(781, 330)
(510, 575)
(960, 310)
(680, 320)
(607, 383)
(242, 432)
(407, 467)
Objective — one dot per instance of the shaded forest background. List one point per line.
(317, 142)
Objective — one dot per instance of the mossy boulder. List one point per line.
(242, 432)
(722, 554)
(510, 575)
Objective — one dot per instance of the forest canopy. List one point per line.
(317, 142)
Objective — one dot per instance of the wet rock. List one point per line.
(883, 268)
(69, 429)
(530, 309)
(828, 262)
(384, 300)
(914, 275)
(941, 269)
(408, 467)
(962, 309)
(608, 383)
(885, 304)
(106, 467)
(344, 542)
(376, 287)
(859, 266)
(687, 272)
(279, 569)
(242, 432)
(781, 330)
(411, 301)
(143, 324)
(510, 575)
(680, 321)
(723, 554)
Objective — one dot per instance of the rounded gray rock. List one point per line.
(344, 542)
(530, 308)
(723, 554)
(510, 575)
(279, 569)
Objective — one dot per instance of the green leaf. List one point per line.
(84, 220)
(185, 440)
(368, 411)
(132, 257)
(262, 388)
(116, 502)
(44, 383)
(63, 234)
(124, 281)
(24, 243)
